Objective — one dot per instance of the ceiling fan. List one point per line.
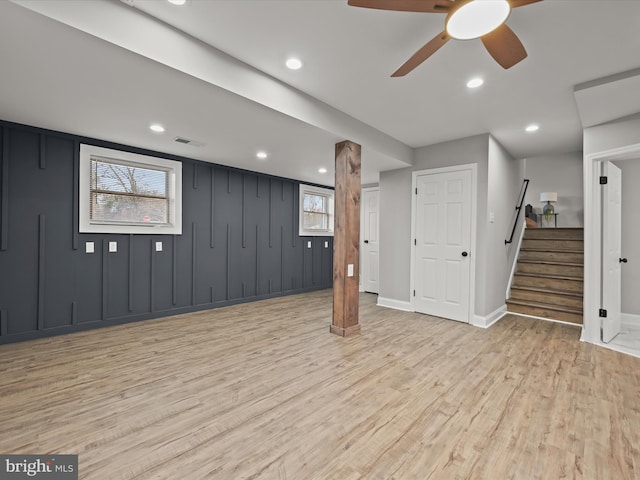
(466, 19)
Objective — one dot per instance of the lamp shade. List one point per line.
(549, 197)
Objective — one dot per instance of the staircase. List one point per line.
(549, 275)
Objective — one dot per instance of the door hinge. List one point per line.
(604, 180)
(414, 293)
(415, 241)
(602, 313)
(416, 190)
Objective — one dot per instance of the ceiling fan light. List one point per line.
(477, 18)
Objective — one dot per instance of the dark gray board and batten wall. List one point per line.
(239, 243)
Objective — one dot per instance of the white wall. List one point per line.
(504, 184)
(630, 235)
(616, 134)
(560, 173)
(395, 214)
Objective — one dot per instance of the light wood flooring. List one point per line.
(264, 391)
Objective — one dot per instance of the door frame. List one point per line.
(593, 225)
(472, 250)
(368, 189)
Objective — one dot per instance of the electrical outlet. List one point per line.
(309, 244)
(326, 244)
(158, 246)
(90, 247)
(350, 270)
(113, 247)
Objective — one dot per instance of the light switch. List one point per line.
(350, 270)
(326, 244)
(90, 247)
(113, 247)
(158, 246)
(309, 244)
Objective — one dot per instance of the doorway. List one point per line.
(442, 256)
(604, 259)
(369, 250)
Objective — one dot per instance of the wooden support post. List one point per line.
(346, 242)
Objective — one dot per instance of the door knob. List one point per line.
(623, 260)
(366, 241)
(464, 254)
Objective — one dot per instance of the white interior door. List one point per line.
(442, 229)
(611, 251)
(370, 231)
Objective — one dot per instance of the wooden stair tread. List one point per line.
(547, 275)
(546, 306)
(556, 250)
(546, 290)
(551, 262)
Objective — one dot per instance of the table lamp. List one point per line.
(548, 197)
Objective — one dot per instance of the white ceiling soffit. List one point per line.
(286, 107)
(608, 98)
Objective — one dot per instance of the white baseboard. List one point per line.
(395, 304)
(515, 260)
(630, 319)
(551, 320)
(488, 320)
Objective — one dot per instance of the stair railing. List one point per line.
(516, 214)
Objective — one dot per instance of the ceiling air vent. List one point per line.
(187, 141)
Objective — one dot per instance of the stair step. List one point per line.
(551, 268)
(551, 255)
(544, 262)
(540, 295)
(559, 245)
(554, 233)
(558, 277)
(553, 312)
(549, 282)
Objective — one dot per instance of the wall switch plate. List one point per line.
(158, 246)
(113, 247)
(326, 244)
(350, 270)
(90, 247)
(309, 244)
(492, 217)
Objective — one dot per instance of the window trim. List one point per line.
(327, 192)
(174, 192)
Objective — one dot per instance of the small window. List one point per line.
(316, 211)
(121, 192)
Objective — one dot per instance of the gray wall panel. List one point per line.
(240, 242)
(117, 271)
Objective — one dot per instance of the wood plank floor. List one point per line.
(263, 391)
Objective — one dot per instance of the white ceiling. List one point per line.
(110, 69)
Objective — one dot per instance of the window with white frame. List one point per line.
(316, 211)
(122, 192)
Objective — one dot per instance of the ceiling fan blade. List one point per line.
(521, 3)
(421, 55)
(429, 6)
(504, 46)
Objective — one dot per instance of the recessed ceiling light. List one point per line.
(322, 170)
(475, 82)
(261, 155)
(477, 18)
(294, 63)
(156, 127)
(532, 128)
(177, 2)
